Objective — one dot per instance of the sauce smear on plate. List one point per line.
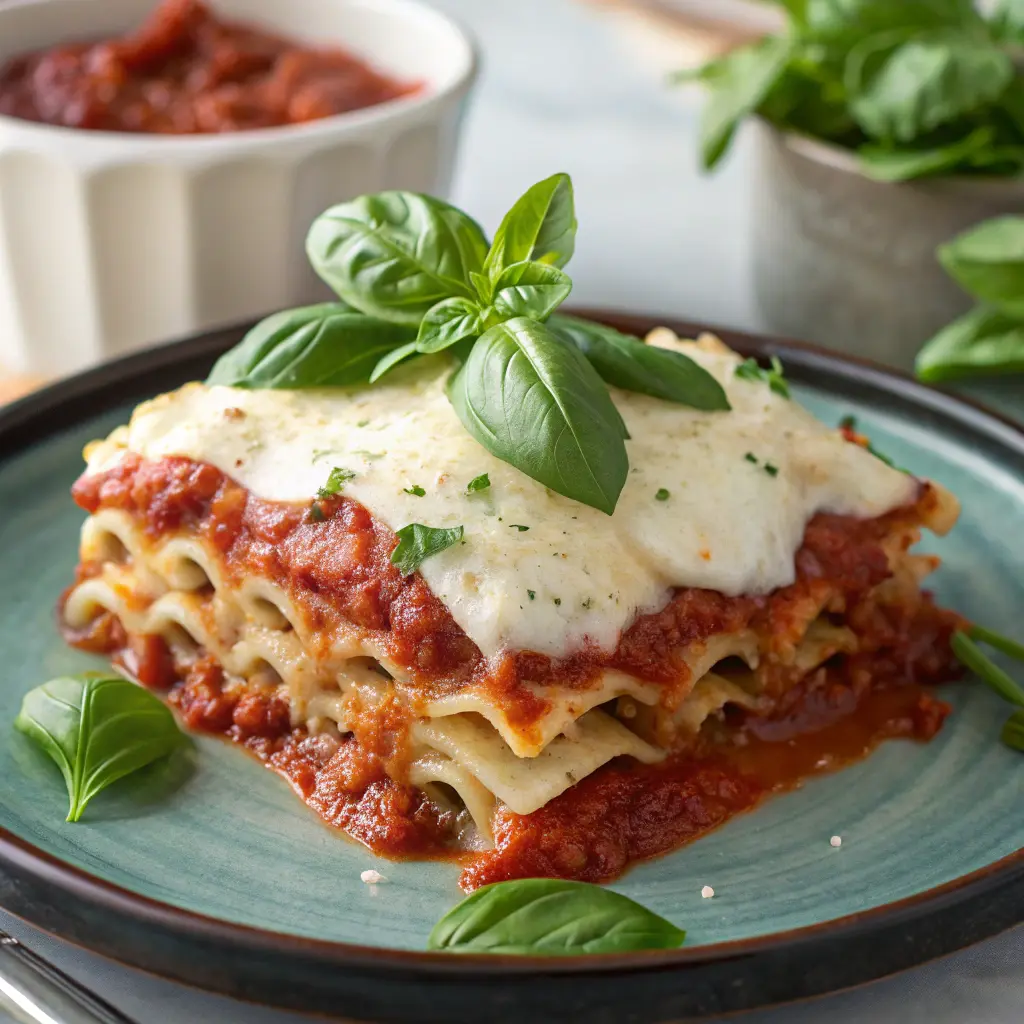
(185, 72)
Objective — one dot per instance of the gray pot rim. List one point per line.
(828, 154)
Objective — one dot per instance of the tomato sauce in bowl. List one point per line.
(186, 72)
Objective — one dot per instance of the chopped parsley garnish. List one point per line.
(770, 469)
(661, 494)
(848, 423)
(478, 483)
(316, 513)
(363, 423)
(518, 526)
(558, 600)
(588, 603)
(531, 594)
(417, 543)
(335, 482)
(415, 490)
(751, 457)
(750, 369)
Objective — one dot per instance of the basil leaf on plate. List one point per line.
(551, 917)
(904, 91)
(884, 163)
(449, 322)
(532, 399)
(983, 341)
(327, 345)
(738, 83)
(97, 729)
(393, 255)
(530, 289)
(540, 227)
(628, 363)
(988, 262)
(392, 359)
(416, 543)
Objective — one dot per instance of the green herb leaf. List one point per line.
(530, 289)
(336, 480)
(518, 526)
(842, 22)
(774, 377)
(738, 84)
(532, 400)
(970, 655)
(630, 364)
(540, 227)
(393, 255)
(770, 469)
(98, 729)
(551, 917)
(478, 483)
(662, 494)
(904, 91)
(392, 359)
(449, 322)
(416, 491)
(1013, 731)
(327, 345)
(988, 262)
(983, 341)
(884, 163)
(981, 634)
(1007, 21)
(417, 543)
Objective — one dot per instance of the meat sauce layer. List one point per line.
(185, 72)
(333, 559)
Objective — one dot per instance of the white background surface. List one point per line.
(564, 89)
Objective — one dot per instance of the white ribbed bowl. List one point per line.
(112, 241)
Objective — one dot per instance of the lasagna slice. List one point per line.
(560, 692)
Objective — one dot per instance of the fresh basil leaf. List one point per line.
(417, 543)
(1013, 731)
(971, 656)
(540, 227)
(393, 255)
(478, 483)
(336, 480)
(886, 164)
(904, 91)
(326, 345)
(392, 359)
(988, 262)
(628, 363)
(1007, 21)
(530, 289)
(846, 21)
(774, 376)
(98, 729)
(551, 917)
(738, 84)
(983, 341)
(449, 322)
(532, 400)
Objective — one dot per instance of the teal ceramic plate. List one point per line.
(214, 873)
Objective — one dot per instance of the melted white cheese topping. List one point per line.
(727, 523)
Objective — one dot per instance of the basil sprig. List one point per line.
(98, 729)
(987, 262)
(551, 917)
(417, 277)
(965, 647)
(913, 87)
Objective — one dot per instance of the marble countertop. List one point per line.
(580, 88)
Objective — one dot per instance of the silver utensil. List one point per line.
(33, 991)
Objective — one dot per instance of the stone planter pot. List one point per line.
(848, 262)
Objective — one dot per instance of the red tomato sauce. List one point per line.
(185, 72)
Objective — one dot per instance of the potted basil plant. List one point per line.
(884, 127)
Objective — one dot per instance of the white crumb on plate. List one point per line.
(371, 877)
(707, 892)
(836, 841)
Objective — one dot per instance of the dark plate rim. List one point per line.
(66, 402)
